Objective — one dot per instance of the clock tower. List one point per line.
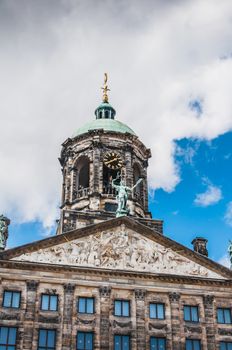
(95, 155)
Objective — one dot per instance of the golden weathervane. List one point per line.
(105, 89)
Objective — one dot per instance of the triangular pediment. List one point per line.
(122, 247)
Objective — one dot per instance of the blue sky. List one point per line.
(201, 164)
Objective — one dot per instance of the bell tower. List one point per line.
(95, 155)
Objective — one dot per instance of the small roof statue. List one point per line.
(4, 223)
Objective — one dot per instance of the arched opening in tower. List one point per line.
(138, 191)
(108, 176)
(82, 177)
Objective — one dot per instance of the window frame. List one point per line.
(191, 318)
(86, 298)
(224, 309)
(83, 332)
(192, 345)
(156, 307)
(157, 339)
(11, 291)
(49, 303)
(47, 330)
(123, 301)
(121, 336)
(7, 345)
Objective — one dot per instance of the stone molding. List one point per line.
(69, 288)
(140, 294)
(208, 299)
(122, 324)
(157, 326)
(32, 285)
(174, 297)
(9, 316)
(105, 291)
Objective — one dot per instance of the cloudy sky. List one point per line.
(170, 72)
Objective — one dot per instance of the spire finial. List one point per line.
(105, 89)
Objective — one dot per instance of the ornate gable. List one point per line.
(120, 248)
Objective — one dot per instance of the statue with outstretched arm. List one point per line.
(122, 195)
(230, 253)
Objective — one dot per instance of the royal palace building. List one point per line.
(109, 279)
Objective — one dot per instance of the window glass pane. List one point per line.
(125, 342)
(196, 345)
(222, 346)
(51, 338)
(117, 307)
(16, 299)
(2, 347)
(160, 311)
(153, 343)
(195, 314)
(45, 302)
(227, 316)
(220, 317)
(89, 308)
(125, 310)
(88, 341)
(117, 342)
(53, 302)
(7, 299)
(42, 337)
(229, 346)
(12, 336)
(3, 335)
(187, 315)
(80, 341)
(189, 345)
(11, 348)
(161, 344)
(82, 305)
(153, 311)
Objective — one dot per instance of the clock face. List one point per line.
(112, 160)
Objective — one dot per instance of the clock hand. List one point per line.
(111, 161)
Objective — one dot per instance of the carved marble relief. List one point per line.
(119, 249)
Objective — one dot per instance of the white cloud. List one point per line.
(211, 196)
(52, 59)
(228, 214)
(224, 260)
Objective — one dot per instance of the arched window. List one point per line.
(106, 114)
(82, 177)
(138, 191)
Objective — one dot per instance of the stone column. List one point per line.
(97, 182)
(67, 316)
(30, 314)
(209, 321)
(175, 320)
(140, 295)
(105, 292)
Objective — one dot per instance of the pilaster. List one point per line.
(30, 314)
(175, 320)
(140, 295)
(209, 321)
(67, 316)
(105, 292)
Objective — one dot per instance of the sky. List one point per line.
(170, 74)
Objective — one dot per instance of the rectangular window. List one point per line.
(191, 313)
(121, 342)
(86, 305)
(47, 339)
(84, 341)
(122, 308)
(49, 302)
(193, 344)
(11, 299)
(223, 315)
(157, 343)
(8, 338)
(225, 345)
(157, 311)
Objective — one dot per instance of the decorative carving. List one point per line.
(32, 285)
(69, 288)
(105, 291)
(140, 294)
(223, 331)
(119, 249)
(157, 326)
(10, 316)
(189, 329)
(208, 299)
(80, 320)
(49, 319)
(50, 291)
(122, 324)
(4, 223)
(174, 297)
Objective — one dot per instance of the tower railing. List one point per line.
(82, 192)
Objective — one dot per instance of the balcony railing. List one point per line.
(82, 192)
(108, 189)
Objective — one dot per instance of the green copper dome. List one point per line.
(106, 125)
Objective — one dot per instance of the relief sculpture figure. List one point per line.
(122, 195)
